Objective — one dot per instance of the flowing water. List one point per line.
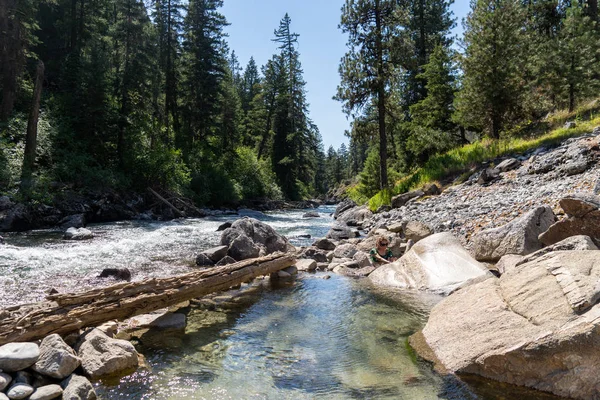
(318, 338)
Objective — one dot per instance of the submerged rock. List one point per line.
(78, 234)
(437, 263)
(538, 325)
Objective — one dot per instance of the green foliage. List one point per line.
(382, 198)
(493, 65)
(252, 177)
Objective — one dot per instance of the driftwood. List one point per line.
(63, 313)
(167, 202)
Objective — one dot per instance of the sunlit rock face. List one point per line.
(536, 326)
(438, 263)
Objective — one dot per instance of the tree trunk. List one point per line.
(383, 183)
(32, 127)
(64, 313)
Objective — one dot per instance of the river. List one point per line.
(336, 338)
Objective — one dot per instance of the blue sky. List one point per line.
(321, 46)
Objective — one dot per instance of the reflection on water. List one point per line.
(335, 338)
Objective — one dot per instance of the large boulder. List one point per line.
(216, 253)
(583, 218)
(16, 218)
(437, 263)
(102, 355)
(18, 356)
(519, 236)
(57, 359)
(538, 325)
(249, 238)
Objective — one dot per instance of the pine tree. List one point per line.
(205, 68)
(490, 96)
(432, 128)
(429, 25)
(367, 69)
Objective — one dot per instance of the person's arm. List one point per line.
(377, 258)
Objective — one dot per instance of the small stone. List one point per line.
(47, 392)
(305, 264)
(5, 380)
(19, 391)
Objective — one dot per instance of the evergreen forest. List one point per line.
(134, 94)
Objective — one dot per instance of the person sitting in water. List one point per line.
(381, 254)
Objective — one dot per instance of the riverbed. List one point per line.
(323, 337)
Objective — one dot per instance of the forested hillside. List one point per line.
(134, 94)
(415, 93)
(137, 93)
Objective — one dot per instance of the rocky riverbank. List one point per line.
(534, 219)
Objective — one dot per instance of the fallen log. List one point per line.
(64, 313)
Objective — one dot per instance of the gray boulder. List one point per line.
(216, 253)
(519, 236)
(583, 219)
(304, 264)
(579, 204)
(338, 232)
(248, 237)
(311, 214)
(343, 206)
(402, 199)
(437, 263)
(242, 247)
(416, 230)
(536, 326)
(57, 359)
(78, 234)
(202, 260)
(346, 250)
(579, 242)
(508, 164)
(102, 355)
(47, 392)
(324, 244)
(78, 387)
(18, 356)
(355, 216)
(315, 254)
(488, 175)
(19, 391)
